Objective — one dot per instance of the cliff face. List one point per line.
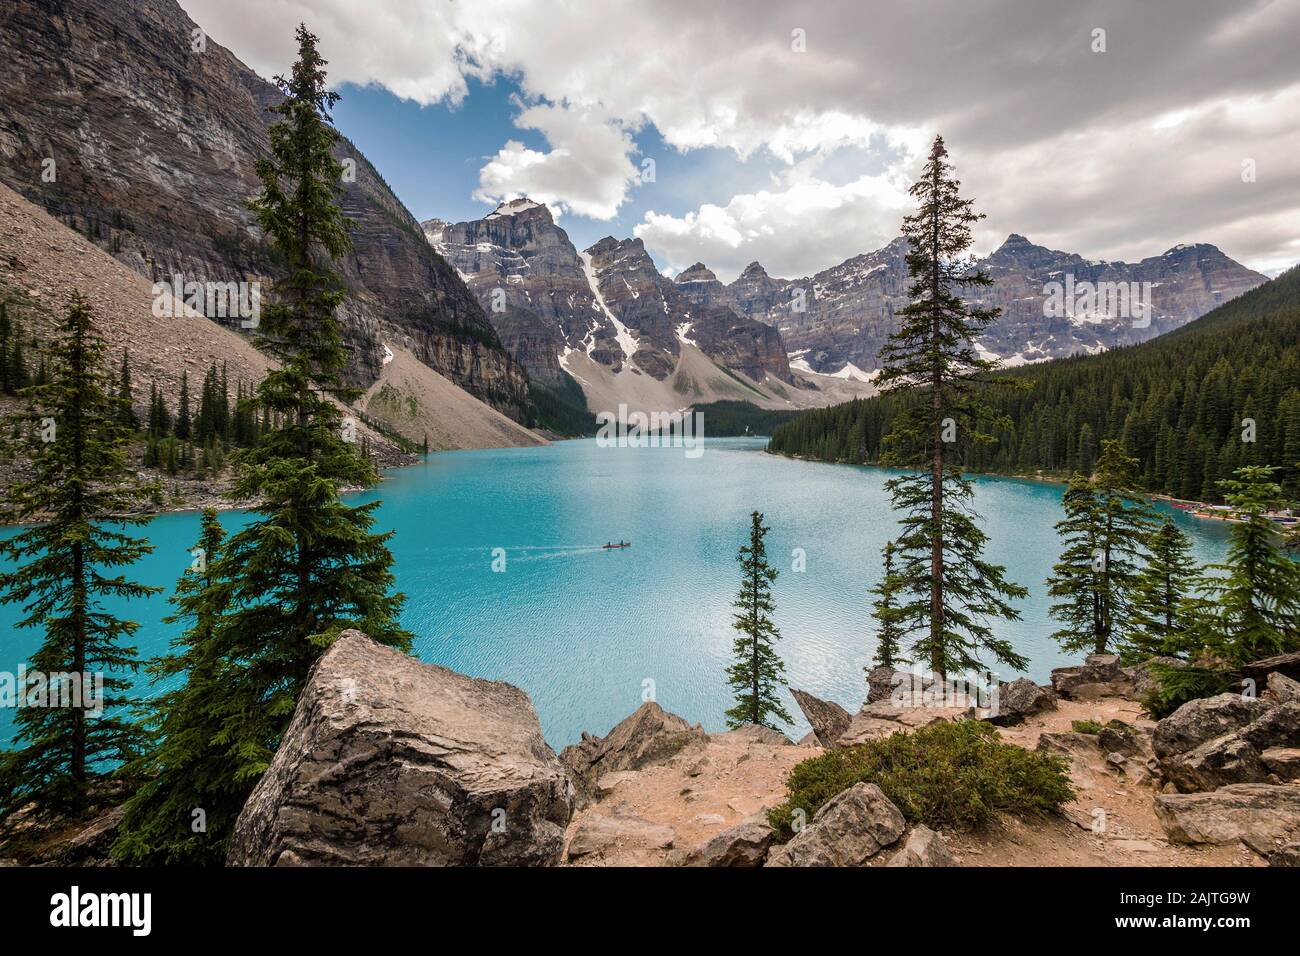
(547, 299)
(153, 144)
(527, 277)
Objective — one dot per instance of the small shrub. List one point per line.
(1093, 727)
(954, 775)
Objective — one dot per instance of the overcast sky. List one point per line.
(788, 132)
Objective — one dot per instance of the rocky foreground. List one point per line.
(389, 761)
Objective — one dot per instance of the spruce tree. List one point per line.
(1105, 529)
(952, 592)
(6, 331)
(307, 565)
(183, 410)
(1075, 577)
(1161, 594)
(169, 818)
(66, 567)
(757, 672)
(124, 399)
(886, 611)
(1252, 606)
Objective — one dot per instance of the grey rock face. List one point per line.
(829, 720)
(852, 827)
(155, 147)
(649, 735)
(1283, 689)
(529, 279)
(1221, 740)
(390, 762)
(880, 683)
(544, 296)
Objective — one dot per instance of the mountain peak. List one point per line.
(518, 205)
(699, 272)
(754, 270)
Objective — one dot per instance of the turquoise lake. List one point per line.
(583, 630)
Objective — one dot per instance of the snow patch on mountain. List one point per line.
(626, 340)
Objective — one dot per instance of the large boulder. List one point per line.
(828, 719)
(1020, 699)
(1100, 675)
(1203, 719)
(1216, 741)
(650, 735)
(745, 844)
(1122, 738)
(864, 728)
(1288, 855)
(848, 830)
(390, 762)
(1264, 816)
(923, 847)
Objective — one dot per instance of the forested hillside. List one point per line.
(1177, 402)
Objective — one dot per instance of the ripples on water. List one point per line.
(583, 630)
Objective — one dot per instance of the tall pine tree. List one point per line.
(124, 399)
(170, 816)
(308, 565)
(81, 492)
(952, 592)
(1105, 529)
(757, 672)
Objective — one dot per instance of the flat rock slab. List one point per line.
(597, 832)
(1263, 816)
(390, 762)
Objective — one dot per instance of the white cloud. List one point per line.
(793, 231)
(587, 171)
(1054, 138)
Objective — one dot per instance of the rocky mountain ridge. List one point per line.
(609, 302)
(549, 300)
(128, 124)
(1054, 304)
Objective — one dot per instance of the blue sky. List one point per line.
(431, 157)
